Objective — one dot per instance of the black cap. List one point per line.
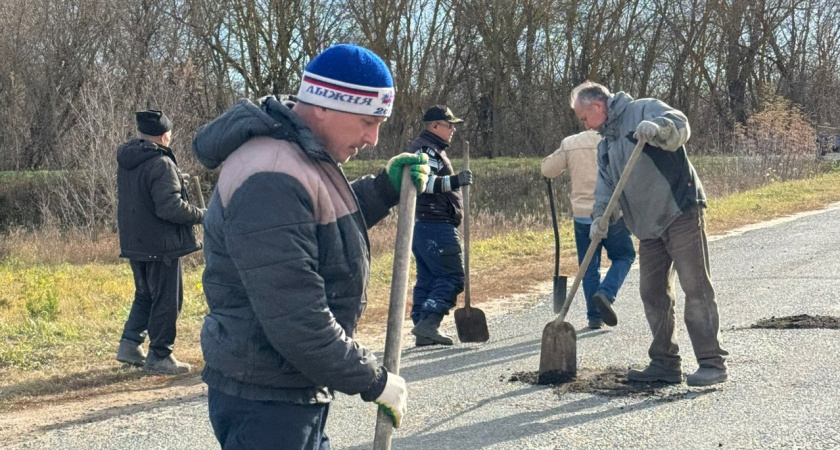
(440, 112)
(152, 122)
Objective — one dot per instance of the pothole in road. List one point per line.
(609, 382)
(800, 321)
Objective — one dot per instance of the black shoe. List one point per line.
(131, 353)
(653, 373)
(423, 342)
(595, 324)
(428, 328)
(165, 366)
(604, 306)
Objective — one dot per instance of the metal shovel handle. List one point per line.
(466, 195)
(604, 223)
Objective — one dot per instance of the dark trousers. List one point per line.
(244, 424)
(158, 296)
(440, 269)
(682, 249)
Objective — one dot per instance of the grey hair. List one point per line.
(588, 91)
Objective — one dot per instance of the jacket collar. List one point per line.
(615, 108)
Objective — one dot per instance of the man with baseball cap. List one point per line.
(155, 222)
(287, 254)
(437, 245)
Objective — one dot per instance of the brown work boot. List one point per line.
(654, 373)
(165, 366)
(428, 328)
(131, 353)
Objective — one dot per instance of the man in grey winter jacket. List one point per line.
(662, 203)
(155, 221)
(287, 254)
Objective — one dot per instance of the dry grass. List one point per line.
(65, 296)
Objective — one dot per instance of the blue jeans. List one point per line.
(440, 269)
(620, 251)
(244, 424)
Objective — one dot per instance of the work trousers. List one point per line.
(683, 249)
(158, 297)
(440, 269)
(242, 424)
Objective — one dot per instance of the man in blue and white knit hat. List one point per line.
(286, 250)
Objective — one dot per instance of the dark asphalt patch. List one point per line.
(609, 382)
(800, 321)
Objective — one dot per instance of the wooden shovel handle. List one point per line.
(198, 194)
(605, 222)
(465, 191)
(396, 307)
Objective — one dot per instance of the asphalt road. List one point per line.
(782, 391)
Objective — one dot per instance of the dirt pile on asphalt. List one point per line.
(800, 321)
(610, 382)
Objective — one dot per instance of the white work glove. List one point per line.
(646, 131)
(393, 398)
(596, 233)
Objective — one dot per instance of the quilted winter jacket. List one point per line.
(287, 260)
(154, 216)
(663, 184)
(578, 154)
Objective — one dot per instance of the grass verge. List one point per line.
(60, 323)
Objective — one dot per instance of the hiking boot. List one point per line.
(165, 366)
(604, 306)
(595, 324)
(653, 373)
(423, 342)
(706, 376)
(131, 353)
(428, 328)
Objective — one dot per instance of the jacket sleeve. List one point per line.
(165, 188)
(271, 236)
(376, 196)
(554, 164)
(674, 129)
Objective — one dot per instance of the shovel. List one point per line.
(469, 322)
(396, 307)
(559, 293)
(558, 353)
(199, 195)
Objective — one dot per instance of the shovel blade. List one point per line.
(559, 293)
(558, 354)
(471, 325)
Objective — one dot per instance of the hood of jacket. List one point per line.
(137, 151)
(615, 108)
(215, 141)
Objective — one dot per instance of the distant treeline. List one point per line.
(73, 71)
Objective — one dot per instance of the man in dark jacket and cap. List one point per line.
(288, 254)
(155, 222)
(436, 245)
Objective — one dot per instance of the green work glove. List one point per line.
(393, 398)
(419, 170)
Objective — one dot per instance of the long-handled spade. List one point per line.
(396, 307)
(470, 322)
(559, 292)
(558, 353)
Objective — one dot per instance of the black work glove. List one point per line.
(464, 178)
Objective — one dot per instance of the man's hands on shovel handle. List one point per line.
(393, 398)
